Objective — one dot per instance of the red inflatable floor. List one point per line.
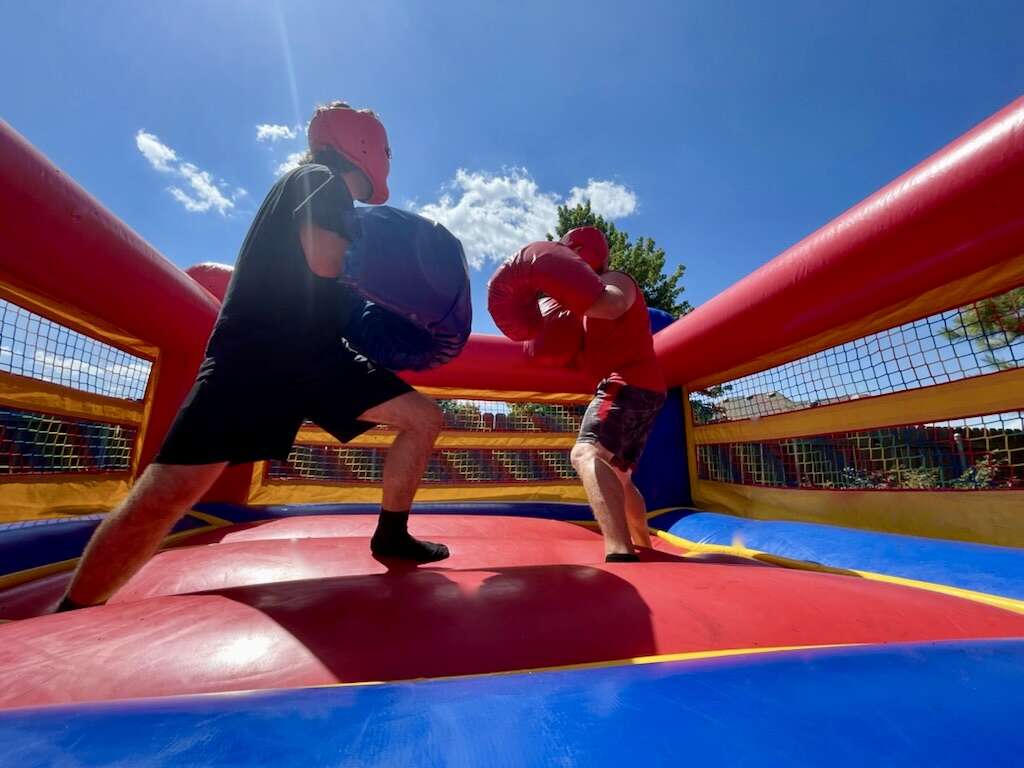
(300, 601)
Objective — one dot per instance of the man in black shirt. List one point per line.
(276, 357)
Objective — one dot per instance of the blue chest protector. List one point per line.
(411, 274)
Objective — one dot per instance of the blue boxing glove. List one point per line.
(412, 274)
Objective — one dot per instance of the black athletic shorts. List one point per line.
(620, 419)
(242, 411)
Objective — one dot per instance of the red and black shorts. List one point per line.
(620, 419)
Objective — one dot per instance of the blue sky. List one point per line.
(725, 130)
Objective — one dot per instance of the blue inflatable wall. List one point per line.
(663, 474)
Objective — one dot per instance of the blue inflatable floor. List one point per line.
(943, 704)
(978, 567)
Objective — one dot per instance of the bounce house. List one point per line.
(836, 486)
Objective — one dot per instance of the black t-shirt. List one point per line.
(276, 311)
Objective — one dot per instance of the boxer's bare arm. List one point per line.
(619, 294)
(324, 250)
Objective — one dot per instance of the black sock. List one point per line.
(67, 604)
(392, 539)
(622, 557)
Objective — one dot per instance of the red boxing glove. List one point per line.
(560, 339)
(542, 267)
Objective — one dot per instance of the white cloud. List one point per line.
(269, 132)
(290, 162)
(608, 199)
(125, 380)
(204, 194)
(159, 155)
(494, 215)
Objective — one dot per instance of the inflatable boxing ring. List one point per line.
(836, 485)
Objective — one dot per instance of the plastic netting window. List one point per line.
(36, 443)
(496, 416)
(500, 416)
(984, 452)
(979, 338)
(38, 348)
(337, 464)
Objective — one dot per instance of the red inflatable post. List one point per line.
(60, 241)
(955, 214)
(494, 362)
(213, 277)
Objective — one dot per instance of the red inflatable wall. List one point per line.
(494, 362)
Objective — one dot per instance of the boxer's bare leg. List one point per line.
(418, 421)
(130, 535)
(636, 511)
(605, 493)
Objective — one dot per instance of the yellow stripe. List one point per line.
(997, 601)
(1006, 603)
(992, 393)
(257, 483)
(985, 517)
(752, 554)
(506, 396)
(628, 662)
(988, 282)
(60, 495)
(148, 399)
(691, 450)
(662, 511)
(211, 520)
(309, 435)
(9, 580)
(507, 441)
(27, 394)
(176, 538)
(289, 492)
(16, 578)
(449, 439)
(72, 317)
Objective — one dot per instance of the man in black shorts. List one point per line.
(276, 357)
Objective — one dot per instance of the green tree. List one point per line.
(556, 417)
(642, 258)
(992, 326)
(461, 414)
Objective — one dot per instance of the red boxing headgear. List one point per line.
(590, 245)
(359, 137)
